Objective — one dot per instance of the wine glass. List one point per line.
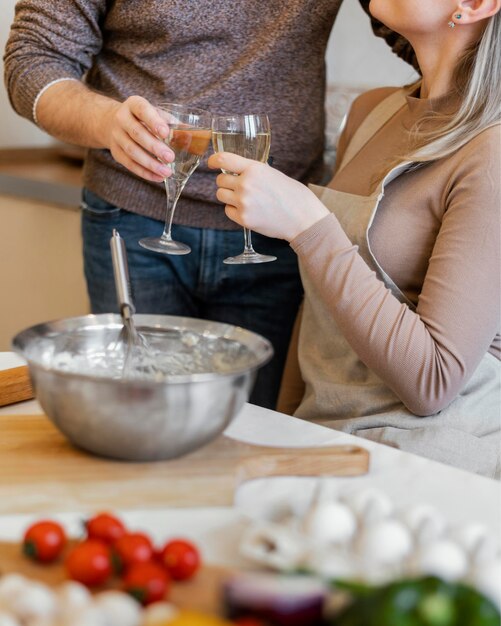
(189, 137)
(250, 137)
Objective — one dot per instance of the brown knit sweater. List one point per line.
(248, 56)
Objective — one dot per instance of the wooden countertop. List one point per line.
(52, 174)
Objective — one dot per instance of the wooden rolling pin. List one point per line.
(15, 385)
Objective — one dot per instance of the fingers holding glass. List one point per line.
(248, 136)
(134, 144)
(149, 115)
(188, 137)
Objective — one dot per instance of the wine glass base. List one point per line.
(248, 258)
(157, 244)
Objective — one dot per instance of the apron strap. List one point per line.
(375, 120)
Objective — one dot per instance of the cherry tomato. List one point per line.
(105, 527)
(157, 555)
(146, 582)
(181, 559)
(44, 541)
(90, 563)
(132, 548)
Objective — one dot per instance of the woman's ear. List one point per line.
(472, 11)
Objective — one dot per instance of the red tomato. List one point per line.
(44, 541)
(157, 555)
(133, 548)
(181, 559)
(146, 582)
(90, 563)
(105, 527)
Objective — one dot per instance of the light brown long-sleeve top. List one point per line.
(437, 234)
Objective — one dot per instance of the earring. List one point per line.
(457, 16)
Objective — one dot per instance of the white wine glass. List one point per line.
(248, 136)
(189, 138)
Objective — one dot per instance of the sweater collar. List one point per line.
(418, 107)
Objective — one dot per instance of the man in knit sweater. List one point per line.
(89, 71)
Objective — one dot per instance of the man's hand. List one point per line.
(134, 131)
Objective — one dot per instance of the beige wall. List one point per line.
(41, 275)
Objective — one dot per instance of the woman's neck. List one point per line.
(438, 57)
(437, 65)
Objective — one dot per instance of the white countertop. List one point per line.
(407, 479)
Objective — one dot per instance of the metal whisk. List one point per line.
(137, 351)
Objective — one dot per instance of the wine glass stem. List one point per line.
(173, 188)
(248, 249)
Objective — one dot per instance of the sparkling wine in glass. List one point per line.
(189, 137)
(250, 137)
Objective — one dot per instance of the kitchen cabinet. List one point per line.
(41, 268)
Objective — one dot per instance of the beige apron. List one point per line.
(343, 393)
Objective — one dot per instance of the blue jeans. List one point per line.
(263, 298)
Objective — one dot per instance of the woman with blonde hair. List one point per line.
(400, 254)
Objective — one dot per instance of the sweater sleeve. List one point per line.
(47, 43)
(426, 356)
(397, 43)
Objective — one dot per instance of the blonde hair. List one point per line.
(477, 84)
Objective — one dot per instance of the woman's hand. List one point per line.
(263, 199)
(135, 131)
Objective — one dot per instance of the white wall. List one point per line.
(354, 58)
(14, 130)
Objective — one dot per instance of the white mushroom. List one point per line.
(486, 550)
(6, 619)
(41, 621)
(72, 595)
(369, 505)
(119, 608)
(277, 546)
(10, 584)
(443, 558)
(87, 616)
(280, 512)
(425, 522)
(159, 614)
(334, 564)
(330, 523)
(387, 542)
(469, 536)
(34, 600)
(487, 580)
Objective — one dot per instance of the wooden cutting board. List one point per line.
(202, 593)
(15, 385)
(41, 472)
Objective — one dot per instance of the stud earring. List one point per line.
(458, 16)
(451, 24)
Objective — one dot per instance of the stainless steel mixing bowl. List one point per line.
(136, 420)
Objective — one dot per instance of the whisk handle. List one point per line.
(121, 274)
